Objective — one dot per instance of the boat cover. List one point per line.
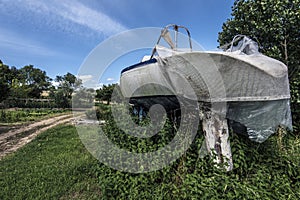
(255, 87)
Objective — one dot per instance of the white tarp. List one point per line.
(255, 87)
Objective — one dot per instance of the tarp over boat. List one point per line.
(255, 87)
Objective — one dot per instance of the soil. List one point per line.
(17, 136)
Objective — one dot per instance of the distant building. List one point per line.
(45, 94)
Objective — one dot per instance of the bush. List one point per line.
(261, 171)
(102, 112)
(295, 102)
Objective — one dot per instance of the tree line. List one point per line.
(20, 87)
(30, 82)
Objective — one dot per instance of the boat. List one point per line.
(254, 87)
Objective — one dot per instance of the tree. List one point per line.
(4, 81)
(32, 80)
(83, 98)
(275, 24)
(104, 93)
(67, 85)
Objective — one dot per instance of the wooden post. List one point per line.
(216, 133)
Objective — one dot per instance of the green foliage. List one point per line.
(83, 98)
(27, 82)
(295, 92)
(105, 93)
(33, 79)
(24, 115)
(4, 81)
(19, 86)
(274, 23)
(29, 103)
(67, 85)
(54, 166)
(61, 98)
(102, 112)
(261, 171)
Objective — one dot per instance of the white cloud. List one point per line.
(85, 78)
(89, 81)
(99, 86)
(110, 79)
(54, 83)
(95, 20)
(68, 13)
(70, 16)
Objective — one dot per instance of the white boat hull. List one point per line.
(255, 87)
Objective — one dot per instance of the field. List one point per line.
(57, 166)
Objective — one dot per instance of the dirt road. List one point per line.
(16, 138)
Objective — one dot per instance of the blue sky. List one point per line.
(57, 35)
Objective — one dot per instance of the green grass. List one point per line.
(25, 115)
(55, 165)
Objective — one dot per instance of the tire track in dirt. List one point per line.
(15, 139)
(32, 126)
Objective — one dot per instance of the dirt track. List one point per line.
(16, 138)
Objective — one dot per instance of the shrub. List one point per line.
(261, 171)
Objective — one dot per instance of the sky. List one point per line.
(57, 36)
